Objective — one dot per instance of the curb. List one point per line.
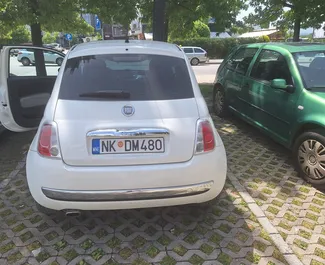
(277, 239)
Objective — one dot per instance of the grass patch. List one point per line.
(273, 210)
(224, 259)
(180, 250)
(152, 251)
(290, 217)
(206, 90)
(301, 244)
(253, 257)
(207, 249)
(304, 234)
(320, 253)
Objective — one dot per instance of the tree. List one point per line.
(50, 37)
(47, 15)
(288, 14)
(180, 15)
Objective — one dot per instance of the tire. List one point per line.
(25, 61)
(220, 107)
(45, 210)
(309, 157)
(195, 61)
(59, 61)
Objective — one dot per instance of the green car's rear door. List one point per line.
(235, 70)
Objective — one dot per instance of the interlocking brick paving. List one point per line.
(223, 231)
(266, 169)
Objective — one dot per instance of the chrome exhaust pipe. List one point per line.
(72, 213)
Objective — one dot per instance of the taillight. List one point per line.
(205, 141)
(20, 53)
(48, 143)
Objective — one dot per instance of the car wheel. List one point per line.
(219, 102)
(195, 61)
(59, 61)
(25, 61)
(309, 155)
(45, 210)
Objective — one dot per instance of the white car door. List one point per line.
(24, 91)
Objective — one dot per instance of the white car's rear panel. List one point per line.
(76, 120)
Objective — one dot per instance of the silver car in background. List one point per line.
(196, 55)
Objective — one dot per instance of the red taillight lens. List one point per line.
(205, 141)
(208, 136)
(20, 53)
(48, 141)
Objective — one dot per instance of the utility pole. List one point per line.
(159, 20)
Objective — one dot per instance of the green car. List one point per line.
(279, 88)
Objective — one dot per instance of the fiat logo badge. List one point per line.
(128, 110)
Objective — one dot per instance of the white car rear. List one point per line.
(125, 127)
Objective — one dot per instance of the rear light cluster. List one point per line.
(205, 141)
(48, 142)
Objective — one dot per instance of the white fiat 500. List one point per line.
(122, 125)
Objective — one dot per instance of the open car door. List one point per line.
(26, 84)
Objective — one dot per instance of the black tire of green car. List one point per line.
(220, 106)
(25, 61)
(309, 157)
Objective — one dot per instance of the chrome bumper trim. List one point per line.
(127, 195)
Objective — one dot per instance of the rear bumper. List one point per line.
(126, 195)
(57, 186)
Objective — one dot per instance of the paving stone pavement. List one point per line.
(222, 232)
(265, 169)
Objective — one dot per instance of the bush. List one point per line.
(218, 48)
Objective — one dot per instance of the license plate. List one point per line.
(122, 146)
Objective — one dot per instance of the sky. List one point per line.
(244, 13)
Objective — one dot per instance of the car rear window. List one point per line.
(143, 76)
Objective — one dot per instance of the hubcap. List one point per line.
(311, 155)
(219, 100)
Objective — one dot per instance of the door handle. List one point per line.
(246, 85)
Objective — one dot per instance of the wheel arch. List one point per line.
(305, 127)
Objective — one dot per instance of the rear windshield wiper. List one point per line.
(106, 94)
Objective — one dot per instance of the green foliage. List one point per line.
(181, 15)
(306, 13)
(50, 37)
(216, 48)
(58, 15)
(16, 35)
(202, 30)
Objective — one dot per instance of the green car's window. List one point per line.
(241, 60)
(271, 65)
(312, 68)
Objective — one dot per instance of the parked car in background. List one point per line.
(26, 57)
(55, 46)
(279, 88)
(144, 140)
(14, 52)
(196, 55)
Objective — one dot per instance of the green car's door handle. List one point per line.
(246, 86)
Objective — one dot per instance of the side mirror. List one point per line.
(282, 84)
(279, 84)
(59, 69)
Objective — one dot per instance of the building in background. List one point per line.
(319, 33)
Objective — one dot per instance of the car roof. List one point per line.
(192, 47)
(291, 47)
(115, 46)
